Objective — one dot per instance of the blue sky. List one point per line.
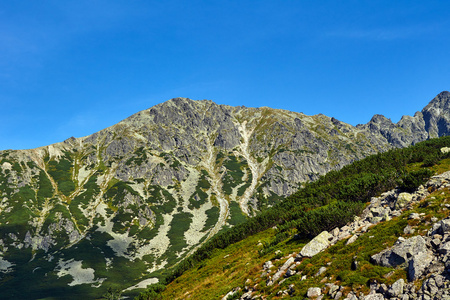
(71, 68)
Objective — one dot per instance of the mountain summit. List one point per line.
(127, 202)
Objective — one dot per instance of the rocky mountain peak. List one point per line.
(436, 115)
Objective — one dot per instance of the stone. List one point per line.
(317, 244)
(403, 199)
(281, 270)
(287, 264)
(444, 248)
(383, 289)
(321, 271)
(352, 239)
(408, 229)
(418, 264)
(435, 242)
(397, 288)
(314, 292)
(246, 296)
(335, 232)
(290, 273)
(401, 252)
(231, 293)
(414, 216)
(429, 285)
(333, 290)
(375, 296)
(267, 265)
(445, 149)
(444, 226)
(376, 220)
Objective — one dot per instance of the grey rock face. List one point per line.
(401, 253)
(436, 117)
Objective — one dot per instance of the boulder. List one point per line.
(317, 244)
(352, 239)
(267, 265)
(314, 292)
(333, 290)
(401, 252)
(444, 248)
(429, 285)
(375, 296)
(402, 200)
(445, 149)
(287, 264)
(397, 288)
(445, 226)
(281, 270)
(321, 271)
(418, 264)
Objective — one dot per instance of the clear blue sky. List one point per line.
(71, 68)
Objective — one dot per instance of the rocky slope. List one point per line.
(420, 256)
(142, 194)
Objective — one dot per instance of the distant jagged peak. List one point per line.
(380, 119)
(439, 103)
(437, 115)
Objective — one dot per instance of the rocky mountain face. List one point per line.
(144, 193)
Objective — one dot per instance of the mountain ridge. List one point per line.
(153, 187)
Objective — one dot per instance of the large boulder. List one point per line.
(314, 292)
(401, 252)
(397, 288)
(402, 200)
(317, 244)
(418, 264)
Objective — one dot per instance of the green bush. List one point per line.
(410, 181)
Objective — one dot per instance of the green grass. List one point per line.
(212, 217)
(236, 214)
(61, 171)
(234, 173)
(45, 186)
(225, 270)
(179, 225)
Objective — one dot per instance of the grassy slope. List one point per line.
(240, 264)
